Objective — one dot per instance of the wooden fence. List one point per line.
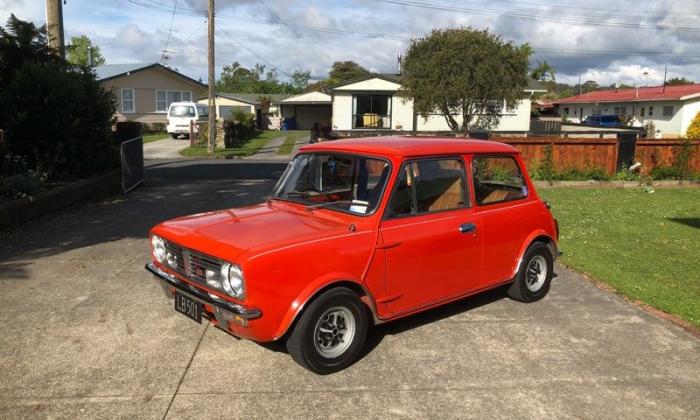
(580, 153)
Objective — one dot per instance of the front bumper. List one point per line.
(228, 316)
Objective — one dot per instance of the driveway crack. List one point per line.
(187, 368)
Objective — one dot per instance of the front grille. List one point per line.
(191, 264)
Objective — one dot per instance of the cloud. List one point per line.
(618, 43)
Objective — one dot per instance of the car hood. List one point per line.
(228, 233)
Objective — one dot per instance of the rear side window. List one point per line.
(429, 185)
(497, 179)
(182, 111)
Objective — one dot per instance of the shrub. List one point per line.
(694, 128)
(682, 156)
(20, 185)
(665, 172)
(649, 130)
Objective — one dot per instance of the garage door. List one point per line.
(307, 115)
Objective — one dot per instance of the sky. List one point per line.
(609, 41)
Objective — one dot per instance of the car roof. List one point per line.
(411, 146)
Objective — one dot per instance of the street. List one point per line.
(87, 333)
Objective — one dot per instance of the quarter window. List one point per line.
(497, 179)
(128, 104)
(427, 186)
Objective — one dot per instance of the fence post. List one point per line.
(626, 147)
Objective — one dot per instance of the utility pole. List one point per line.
(54, 26)
(211, 82)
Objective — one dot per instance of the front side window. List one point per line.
(429, 185)
(497, 179)
(128, 104)
(349, 183)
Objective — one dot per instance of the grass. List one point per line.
(646, 246)
(248, 148)
(291, 140)
(148, 138)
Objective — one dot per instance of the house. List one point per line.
(144, 91)
(228, 103)
(670, 108)
(373, 103)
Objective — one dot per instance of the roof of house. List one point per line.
(112, 71)
(532, 84)
(312, 98)
(250, 98)
(412, 146)
(651, 93)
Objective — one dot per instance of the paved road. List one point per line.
(168, 148)
(85, 333)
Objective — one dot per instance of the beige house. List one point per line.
(145, 91)
(228, 103)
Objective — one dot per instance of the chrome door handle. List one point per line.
(467, 227)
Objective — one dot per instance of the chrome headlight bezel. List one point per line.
(158, 249)
(233, 280)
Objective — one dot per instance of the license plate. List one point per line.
(189, 307)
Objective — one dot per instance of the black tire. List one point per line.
(174, 135)
(301, 343)
(536, 258)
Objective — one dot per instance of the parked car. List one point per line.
(359, 232)
(603, 120)
(181, 113)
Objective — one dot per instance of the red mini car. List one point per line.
(358, 232)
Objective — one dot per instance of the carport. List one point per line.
(307, 109)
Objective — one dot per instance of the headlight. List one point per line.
(232, 280)
(158, 247)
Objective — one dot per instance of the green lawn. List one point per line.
(646, 246)
(248, 148)
(292, 138)
(148, 138)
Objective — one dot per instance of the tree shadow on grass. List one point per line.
(693, 222)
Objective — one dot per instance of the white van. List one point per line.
(181, 113)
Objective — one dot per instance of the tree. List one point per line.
(238, 79)
(468, 72)
(22, 41)
(77, 53)
(678, 81)
(300, 79)
(694, 128)
(342, 71)
(544, 72)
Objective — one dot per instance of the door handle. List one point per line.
(467, 227)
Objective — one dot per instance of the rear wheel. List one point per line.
(174, 135)
(535, 274)
(330, 333)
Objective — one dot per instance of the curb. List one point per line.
(21, 211)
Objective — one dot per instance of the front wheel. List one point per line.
(330, 333)
(535, 274)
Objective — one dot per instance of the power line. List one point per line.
(170, 33)
(261, 58)
(552, 51)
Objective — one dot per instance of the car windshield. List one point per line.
(182, 111)
(350, 183)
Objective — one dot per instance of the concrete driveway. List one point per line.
(86, 333)
(168, 148)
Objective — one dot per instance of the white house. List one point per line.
(670, 108)
(373, 103)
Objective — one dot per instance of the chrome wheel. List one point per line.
(334, 332)
(536, 273)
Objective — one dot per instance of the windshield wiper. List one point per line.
(311, 207)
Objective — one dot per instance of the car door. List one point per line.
(502, 203)
(430, 235)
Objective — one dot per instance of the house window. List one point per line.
(566, 111)
(371, 111)
(227, 110)
(651, 111)
(667, 111)
(641, 113)
(128, 101)
(165, 97)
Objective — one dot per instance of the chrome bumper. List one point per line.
(223, 310)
